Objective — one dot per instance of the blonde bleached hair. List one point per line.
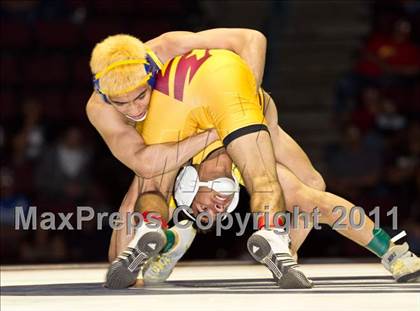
(122, 78)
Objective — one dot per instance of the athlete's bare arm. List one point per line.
(129, 147)
(121, 137)
(248, 43)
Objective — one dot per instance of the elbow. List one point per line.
(144, 166)
(256, 36)
(260, 35)
(148, 172)
(145, 173)
(143, 169)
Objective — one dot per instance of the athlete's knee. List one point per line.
(326, 210)
(304, 197)
(316, 181)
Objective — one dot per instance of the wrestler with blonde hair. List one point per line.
(125, 72)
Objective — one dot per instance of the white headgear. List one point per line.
(187, 184)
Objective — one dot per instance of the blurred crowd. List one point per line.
(377, 111)
(53, 159)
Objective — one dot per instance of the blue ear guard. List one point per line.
(151, 67)
(98, 89)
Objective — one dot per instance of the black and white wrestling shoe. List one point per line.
(147, 242)
(272, 250)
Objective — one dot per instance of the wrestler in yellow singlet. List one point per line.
(201, 90)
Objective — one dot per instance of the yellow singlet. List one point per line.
(201, 90)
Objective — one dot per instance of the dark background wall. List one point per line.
(352, 106)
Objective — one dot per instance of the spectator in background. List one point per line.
(28, 144)
(365, 114)
(377, 112)
(63, 174)
(386, 60)
(389, 120)
(10, 198)
(353, 166)
(402, 164)
(365, 117)
(402, 176)
(33, 130)
(24, 245)
(413, 219)
(389, 56)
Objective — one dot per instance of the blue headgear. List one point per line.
(151, 67)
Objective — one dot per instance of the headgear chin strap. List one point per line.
(152, 65)
(187, 184)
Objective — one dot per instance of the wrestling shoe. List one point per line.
(146, 243)
(272, 250)
(403, 264)
(158, 269)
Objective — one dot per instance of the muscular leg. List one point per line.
(253, 155)
(290, 154)
(397, 259)
(298, 194)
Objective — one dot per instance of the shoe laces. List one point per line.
(161, 263)
(125, 254)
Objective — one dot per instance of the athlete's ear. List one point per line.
(98, 90)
